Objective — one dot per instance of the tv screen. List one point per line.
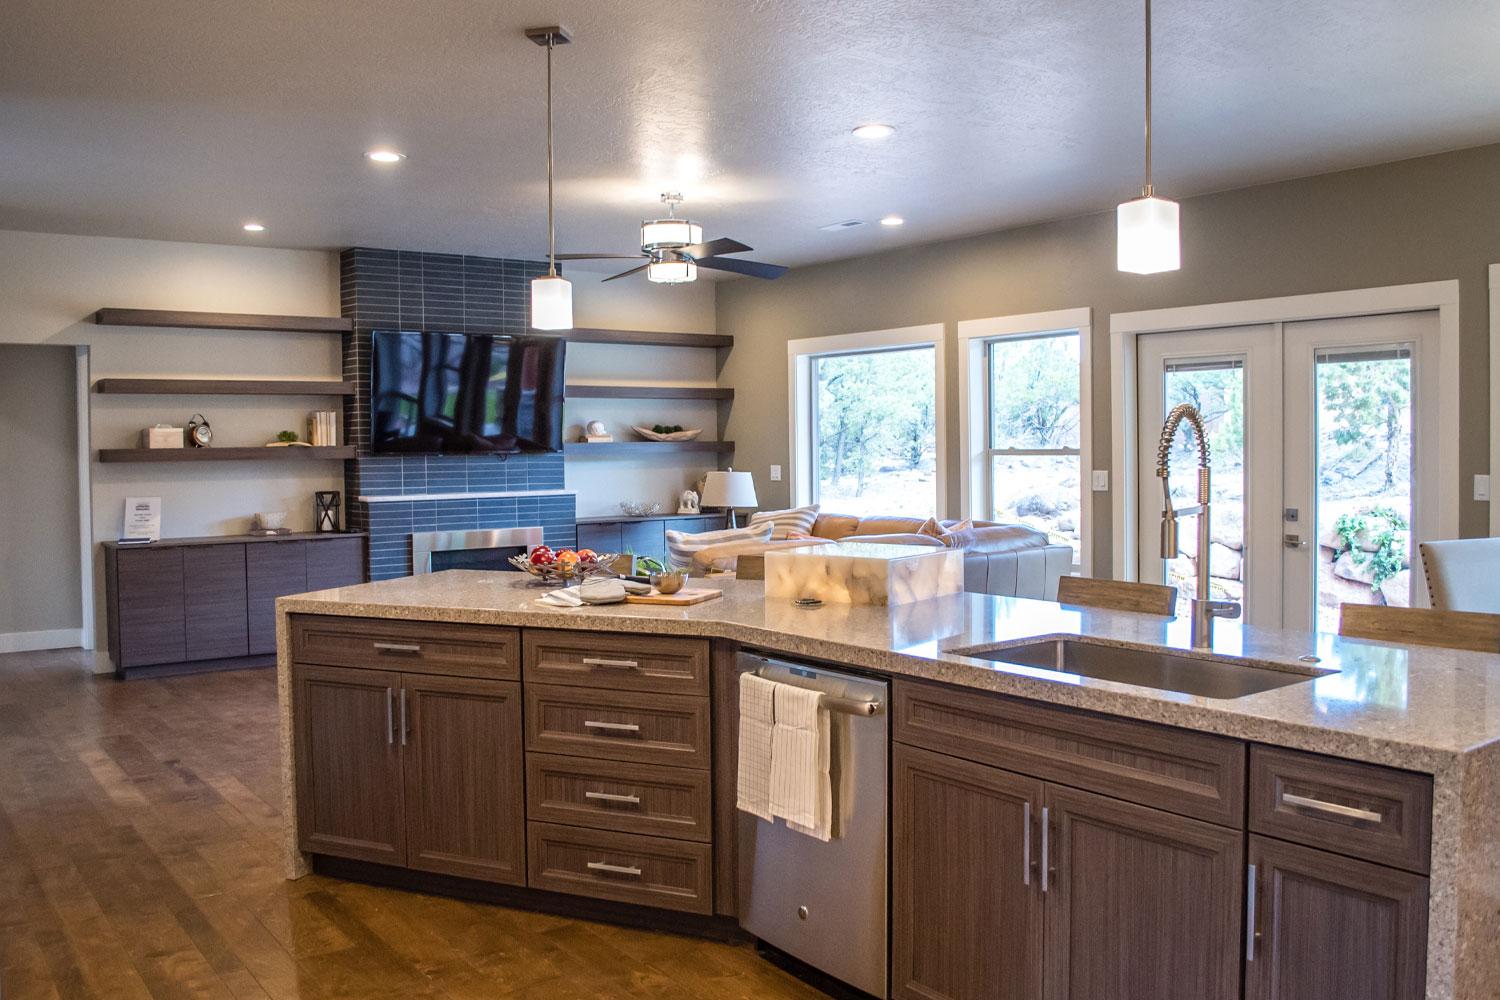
(451, 393)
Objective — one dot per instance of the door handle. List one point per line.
(603, 866)
(612, 727)
(633, 800)
(390, 721)
(596, 661)
(1332, 808)
(1292, 541)
(405, 729)
(1046, 846)
(1026, 842)
(1251, 889)
(404, 648)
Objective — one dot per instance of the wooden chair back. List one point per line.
(1118, 595)
(1470, 630)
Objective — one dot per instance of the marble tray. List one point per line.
(859, 573)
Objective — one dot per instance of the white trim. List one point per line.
(482, 495)
(973, 334)
(1441, 296)
(85, 497)
(799, 356)
(55, 638)
(1494, 394)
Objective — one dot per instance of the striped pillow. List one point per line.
(682, 544)
(796, 522)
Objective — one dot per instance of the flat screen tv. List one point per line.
(452, 393)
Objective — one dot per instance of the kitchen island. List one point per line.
(1405, 742)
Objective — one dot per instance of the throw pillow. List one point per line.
(682, 544)
(787, 523)
(931, 528)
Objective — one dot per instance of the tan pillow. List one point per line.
(931, 528)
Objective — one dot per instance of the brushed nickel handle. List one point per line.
(404, 648)
(604, 866)
(390, 721)
(1250, 891)
(1332, 808)
(612, 727)
(405, 727)
(596, 661)
(1046, 845)
(1026, 842)
(633, 800)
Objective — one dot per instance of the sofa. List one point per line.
(1009, 560)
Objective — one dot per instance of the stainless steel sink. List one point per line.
(1215, 677)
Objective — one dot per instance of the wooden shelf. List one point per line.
(224, 387)
(292, 454)
(222, 321)
(647, 338)
(647, 392)
(614, 447)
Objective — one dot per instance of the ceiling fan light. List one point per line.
(672, 272)
(669, 234)
(1147, 240)
(551, 303)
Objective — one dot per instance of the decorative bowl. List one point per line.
(650, 435)
(669, 582)
(640, 508)
(565, 571)
(270, 520)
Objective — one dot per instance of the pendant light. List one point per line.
(551, 294)
(1146, 236)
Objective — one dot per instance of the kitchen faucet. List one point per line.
(1204, 608)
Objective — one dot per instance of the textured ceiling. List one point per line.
(179, 119)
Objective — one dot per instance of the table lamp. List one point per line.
(729, 489)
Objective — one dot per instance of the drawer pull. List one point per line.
(1332, 808)
(596, 661)
(604, 866)
(633, 800)
(403, 648)
(612, 727)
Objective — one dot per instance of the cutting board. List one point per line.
(681, 599)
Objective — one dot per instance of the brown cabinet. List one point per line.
(411, 647)
(626, 868)
(272, 570)
(618, 662)
(649, 728)
(1333, 928)
(213, 579)
(147, 613)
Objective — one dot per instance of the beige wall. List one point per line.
(39, 567)
(1419, 220)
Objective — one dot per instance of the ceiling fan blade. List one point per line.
(626, 274)
(754, 268)
(714, 247)
(599, 256)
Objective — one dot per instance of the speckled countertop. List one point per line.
(1413, 707)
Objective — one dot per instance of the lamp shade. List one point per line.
(729, 489)
(551, 303)
(1146, 236)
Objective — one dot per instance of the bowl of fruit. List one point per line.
(668, 432)
(561, 565)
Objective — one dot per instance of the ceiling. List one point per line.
(181, 119)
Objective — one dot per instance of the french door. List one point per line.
(1322, 439)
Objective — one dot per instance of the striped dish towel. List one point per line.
(801, 788)
(753, 787)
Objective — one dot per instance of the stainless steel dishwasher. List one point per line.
(827, 903)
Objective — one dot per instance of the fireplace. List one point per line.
(490, 548)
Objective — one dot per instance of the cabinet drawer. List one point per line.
(414, 647)
(617, 725)
(621, 662)
(614, 795)
(627, 868)
(1363, 810)
(1192, 774)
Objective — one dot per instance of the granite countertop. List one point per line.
(1414, 707)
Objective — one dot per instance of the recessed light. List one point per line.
(873, 130)
(253, 227)
(384, 156)
(893, 220)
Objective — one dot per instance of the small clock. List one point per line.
(199, 433)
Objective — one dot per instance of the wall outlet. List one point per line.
(1482, 487)
(1101, 481)
(775, 473)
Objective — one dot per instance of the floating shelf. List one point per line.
(647, 392)
(615, 447)
(647, 338)
(222, 321)
(224, 387)
(290, 454)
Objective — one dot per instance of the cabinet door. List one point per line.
(465, 796)
(335, 562)
(1140, 903)
(213, 578)
(644, 538)
(600, 537)
(966, 919)
(149, 602)
(1334, 928)
(349, 791)
(272, 570)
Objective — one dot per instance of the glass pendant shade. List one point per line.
(1146, 239)
(670, 233)
(672, 272)
(551, 303)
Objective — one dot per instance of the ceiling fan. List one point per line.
(673, 249)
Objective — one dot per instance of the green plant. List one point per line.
(648, 564)
(1388, 558)
(287, 436)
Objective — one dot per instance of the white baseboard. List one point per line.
(25, 642)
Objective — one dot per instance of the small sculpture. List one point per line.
(687, 503)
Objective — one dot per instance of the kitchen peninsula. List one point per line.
(446, 733)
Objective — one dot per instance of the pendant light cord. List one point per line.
(551, 230)
(1147, 191)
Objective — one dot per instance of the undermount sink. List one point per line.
(1208, 677)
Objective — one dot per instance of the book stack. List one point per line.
(323, 428)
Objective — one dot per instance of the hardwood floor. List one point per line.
(138, 859)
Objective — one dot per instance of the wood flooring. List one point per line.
(139, 826)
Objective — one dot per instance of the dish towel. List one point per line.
(801, 788)
(753, 786)
(565, 598)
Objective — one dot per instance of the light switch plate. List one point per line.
(1101, 481)
(1481, 487)
(775, 473)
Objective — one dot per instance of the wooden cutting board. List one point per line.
(681, 599)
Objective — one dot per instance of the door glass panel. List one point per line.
(1217, 389)
(1363, 480)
